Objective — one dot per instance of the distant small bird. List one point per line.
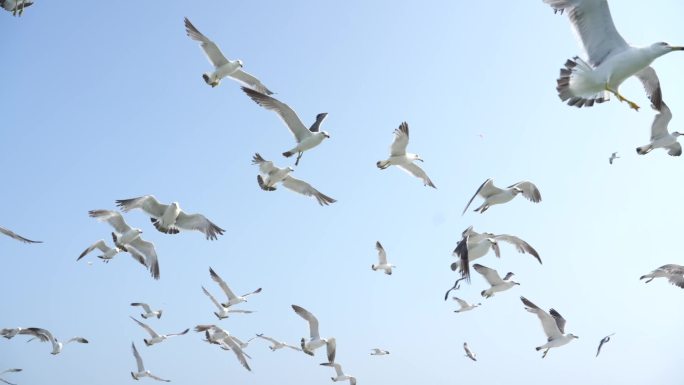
(142, 372)
(494, 280)
(222, 66)
(468, 352)
(15, 6)
(16, 236)
(9, 371)
(673, 273)
(553, 324)
(379, 352)
(232, 298)
(382, 260)
(465, 306)
(400, 158)
(340, 374)
(456, 286)
(660, 137)
(315, 340)
(223, 312)
(44, 335)
(275, 344)
(156, 337)
(273, 175)
(307, 138)
(603, 341)
(613, 157)
(495, 196)
(170, 219)
(148, 310)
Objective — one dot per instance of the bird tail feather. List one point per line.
(575, 87)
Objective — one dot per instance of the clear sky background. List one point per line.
(107, 102)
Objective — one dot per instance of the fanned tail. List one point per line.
(573, 79)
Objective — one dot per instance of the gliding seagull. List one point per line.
(9, 371)
(148, 310)
(142, 372)
(273, 175)
(610, 60)
(223, 312)
(16, 236)
(232, 298)
(382, 260)
(307, 138)
(465, 306)
(613, 157)
(673, 273)
(109, 253)
(468, 352)
(660, 137)
(603, 341)
(400, 158)
(553, 324)
(494, 280)
(156, 337)
(44, 335)
(315, 341)
(495, 196)
(340, 374)
(379, 352)
(277, 344)
(222, 66)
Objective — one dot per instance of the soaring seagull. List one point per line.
(468, 352)
(497, 284)
(222, 337)
(16, 236)
(465, 306)
(400, 158)
(474, 245)
(156, 337)
(148, 310)
(613, 157)
(315, 340)
(379, 352)
(553, 324)
(223, 312)
(142, 372)
(222, 66)
(170, 219)
(603, 341)
(660, 137)
(382, 260)
(609, 59)
(44, 335)
(673, 273)
(9, 371)
(272, 175)
(495, 196)
(307, 138)
(232, 298)
(275, 344)
(15, 6)
(128, 238)
(108, 253)
(340, 376)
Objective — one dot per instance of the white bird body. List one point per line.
(553, 324)
(660, 136)
(156, 337)
(382, 260)
(44, 335)
(142, 372)
(495, 196)
(402, 159)
(497, 284)
(108, 253)
(315, 341)
(465, 306)
(339, 374)
(379, 352)
(148, 310)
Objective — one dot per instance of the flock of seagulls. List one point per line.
(583, 82)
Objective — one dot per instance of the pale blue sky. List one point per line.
(104, 103)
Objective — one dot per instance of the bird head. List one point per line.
(677, 133)
(290, 168)
(146, 342)
(415, 157)
(661, 48)
(325, 133)
(138, 231)
(239, 63)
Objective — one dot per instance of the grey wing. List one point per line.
(418, 172)
(224, 286)
(660, 122)
(199, 222)
(298, 185)
(147, 249)
(145, 306)
(114, 218)
(269, 339)
(140, 258)
(147, 203)
(529, 191)
(674, 149)
(401, 138)
(489, 183)
(266, 167)
(211, 297)
(210, 48)
(250, 80)
(560, 321)
(460, 301)
(330, 348)
(593, 24)
(491, 275)
(313, 322)
(461, 251)
(42, 334)
(238, 352)
(97, 245)
(7, 382)
(549, 324)
(287, 114)
(252, 292)
(146, 327)
(600, 346)
(16, 236)
(138, 359)
(677, 280)
(157, 378)
(651, 84)
(520, 245)
(382, 256)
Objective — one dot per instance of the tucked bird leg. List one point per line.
(299, 156)
(546, 352)
(621, 98)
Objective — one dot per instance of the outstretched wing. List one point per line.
(147, 249)
(149, 330)
(560, 321)
(382, 256)
(401, 138)
(147, 203)
(224, 286)
(520, 245)
(529, 190)
(16, 236)
(138, 359)
(245, 78)
(238, 352)
(491, 275)
(114, 218)
(199, 222)
(486, 189)
(284, 111)
(660, 122)
(97, 245)
(418, 172)
(549, 323)
(298, 185)
(210, 48)
(313, 322)
(266, 167)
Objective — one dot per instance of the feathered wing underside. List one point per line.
(211, 50)
(97, 245)
(299, 186)
(460, 301)
(382, 255)
(199, 222)
(147, 328)
(461, 251)
(486, 189)
(649, 79)
(401, 138)
(16, 236)
(138, 359)
(147, 203)
(313, 322)
(114, 218)
(287, 114)
(145, 306)
(549, 324)
(418, 172)
(212, 298)
(491, 275)
(249, 80)
(150, 255)
(529, 191)
(520, 245)
(560, 321)
(224, 286)
(266, 167)
(660, 122)
(331, 348)
(238, 352)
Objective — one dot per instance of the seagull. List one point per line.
(223, 312)
(15, 6)
(340, 375)
(170, 219)
(109, 253)
(479, 245)
(379, 352)
(315, 341)
(44, 336)
(222, 66)
(497, 284)
(456, 286)
(673, 273)
(382, 260)
(156, 337)
(232, 298)
(553, 324)
(660, 137)
(129, 238)
(9, 371)
(142, 372)
(221, 336)
(400, 158)
(603, 341)
(613, 157)
(609, 59)
(273, 175)
(148, 311)
(277, 344)
(16, 236)
(494, 195)
(307, 138)
(469, 354)
(465, 306)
